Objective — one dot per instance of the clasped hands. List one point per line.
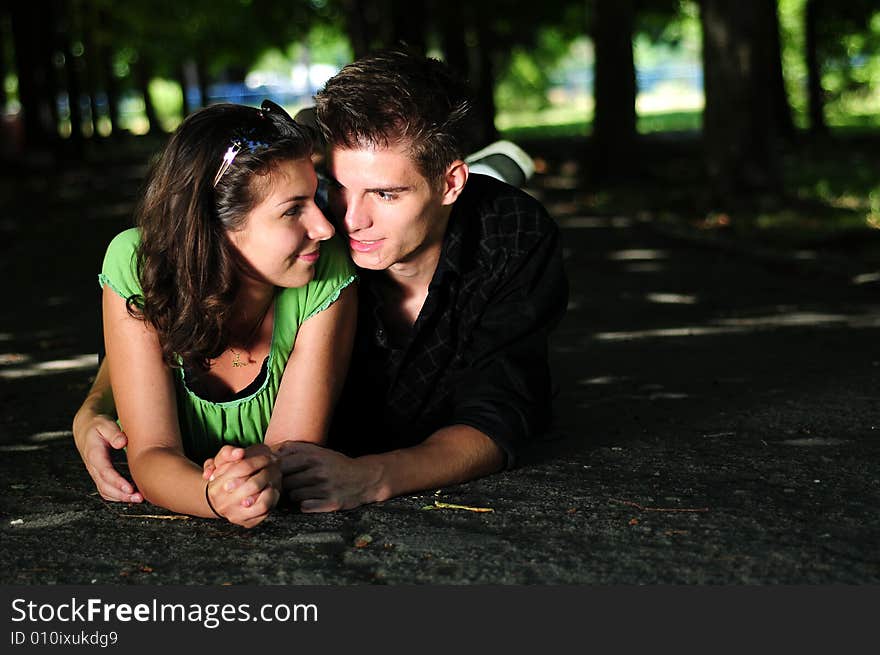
(245, 485)
(317, 478)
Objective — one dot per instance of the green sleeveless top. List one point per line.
(205, 425)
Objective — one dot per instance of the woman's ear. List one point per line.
(454, 179)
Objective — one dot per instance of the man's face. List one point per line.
(390, 213)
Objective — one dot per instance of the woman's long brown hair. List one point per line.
(188, 270)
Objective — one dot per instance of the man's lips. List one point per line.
(364, 246)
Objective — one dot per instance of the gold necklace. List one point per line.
(236, 359)
(236, 356)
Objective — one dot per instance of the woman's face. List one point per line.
(279, 242)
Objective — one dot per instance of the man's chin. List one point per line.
(368, 261)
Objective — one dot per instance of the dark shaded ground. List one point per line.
(718, 422)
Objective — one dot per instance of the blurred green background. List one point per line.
(755, 117)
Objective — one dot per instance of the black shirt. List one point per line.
(477, 353)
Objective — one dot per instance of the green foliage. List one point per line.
(327, 44)
(223, 33)
(524, 85)
(849, 49)
(123, 58)
(668, 21)
(794, 68)
(10, 86)
(577, 122)
(670, 121)
(525, 82)
(274, 61)
(668, 39)
(167, 99)
(324, 44)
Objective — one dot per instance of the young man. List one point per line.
(461, 281)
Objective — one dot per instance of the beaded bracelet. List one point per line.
(208, 498)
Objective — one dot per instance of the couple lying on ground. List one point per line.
(250, 361)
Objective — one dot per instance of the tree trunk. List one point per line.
(31, 33)
(202, 75)
(457, 27)
(485, 84)
(92, 62)
(111, 84)
(3, 68)
(781, 105)
(183, 81)
(356, 26)
(815, 93)
(408, 24)
(72, 84)
(452, 37)
(738, 119)
(614, 123)
(142, 79)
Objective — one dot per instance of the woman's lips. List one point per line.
(364, 246)
(310, 257)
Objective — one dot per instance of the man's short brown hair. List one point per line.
(395, 96)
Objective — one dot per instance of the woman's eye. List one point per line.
(296, 210)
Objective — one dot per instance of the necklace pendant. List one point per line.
(236, 360)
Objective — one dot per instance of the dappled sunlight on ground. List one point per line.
(38, 441)
(51, 367)
(592, 222)
(637, 254)
(715, 421)
(749, 325)
(644, 267)
(671, 298)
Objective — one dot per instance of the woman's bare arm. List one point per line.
(143, 389)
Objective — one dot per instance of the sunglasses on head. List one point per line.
(240, 143)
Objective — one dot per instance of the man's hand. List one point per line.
(95, 436)
(246, 484)
(323, 480)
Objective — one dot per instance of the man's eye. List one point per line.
(386, 195)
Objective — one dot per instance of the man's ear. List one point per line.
(454, 180)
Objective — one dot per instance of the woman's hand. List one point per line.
(218, 464)
(246, 485)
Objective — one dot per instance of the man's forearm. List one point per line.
(452, 455)
(99, 400)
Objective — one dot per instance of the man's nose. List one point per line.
(357, 217)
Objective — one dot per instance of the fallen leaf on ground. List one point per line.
(363, 541)
(438, 505)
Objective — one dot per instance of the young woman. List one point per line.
(228, 315)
